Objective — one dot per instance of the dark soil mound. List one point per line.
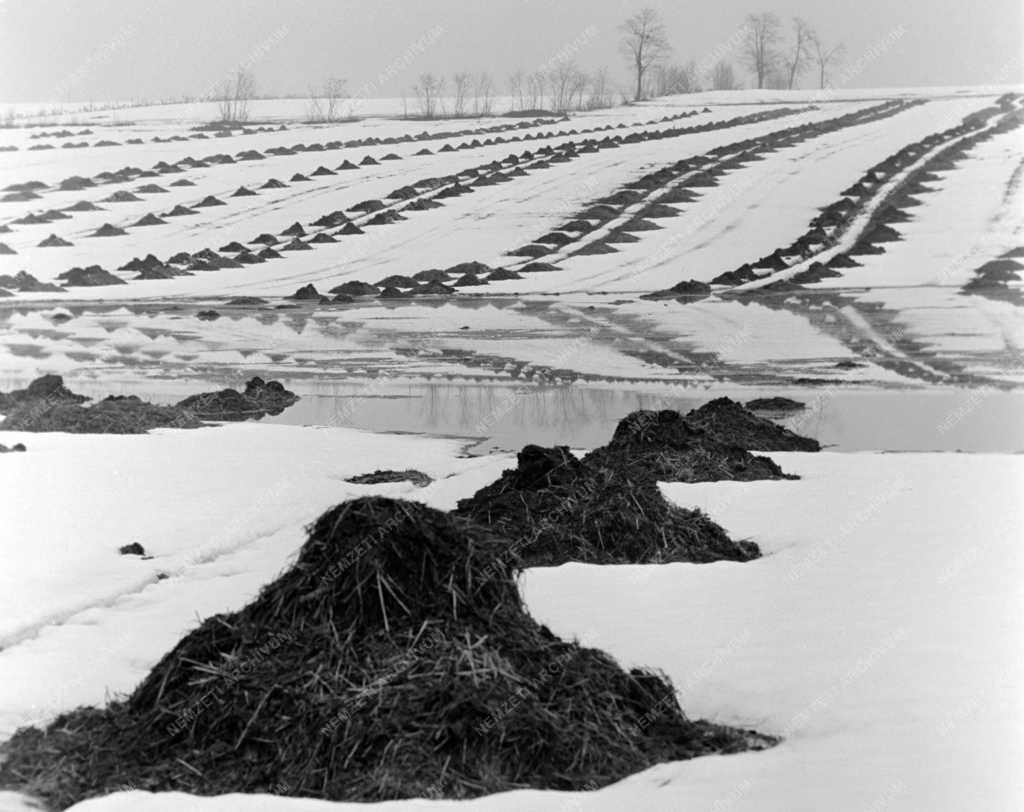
(473, 267)
(49, 389)
(503, 275)
(690, 290)
(122, 197)
(306, 293)
(24, 282)
(259, 399)
(393, 659)
(83, 205)
(397, 281)
(728, 422)
(89, 277)
(53, 241)
(598, 510)
(355, 288)
(670, 447)
(775, 404)
(431, 275)
(417, 478)
(121, 415)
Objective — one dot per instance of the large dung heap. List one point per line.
(607, 508)
(393, 659)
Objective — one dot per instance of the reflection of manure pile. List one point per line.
(394, 659)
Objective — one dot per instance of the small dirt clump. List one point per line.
(259, 399)
(417, 478)
(775, 404)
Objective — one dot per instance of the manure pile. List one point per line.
(395, 659)
(607, 508)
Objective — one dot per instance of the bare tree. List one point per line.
(723, 77)
(483, 94)
(799, 58)
(645, 44)
(428, 90)
(517, 90)
(460, 90)
(325, 101)
(761, 45)
(234, 95)
(825, 58)
(668, 80)
(562, 78)
(537, 84)
(578, 89)
(600, 95)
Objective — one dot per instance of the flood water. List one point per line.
(506, 417)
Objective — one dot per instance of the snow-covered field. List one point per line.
(972, 215)
(912, 561)
(876, 635)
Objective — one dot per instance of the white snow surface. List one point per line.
(875, 635)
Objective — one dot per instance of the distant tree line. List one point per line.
(773, 59)
(775, 55)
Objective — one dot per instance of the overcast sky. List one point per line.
(101, 50)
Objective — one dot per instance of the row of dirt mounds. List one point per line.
(875, 194)
(33, 190)
(421, 195)
(994, 279)
(393, 659)
(107, 142)
(47, 405)
(606, 508)
(434, 281)
(636, 207)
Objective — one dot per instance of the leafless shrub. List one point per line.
(234, 95)
(325, 103)
(428, 91)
